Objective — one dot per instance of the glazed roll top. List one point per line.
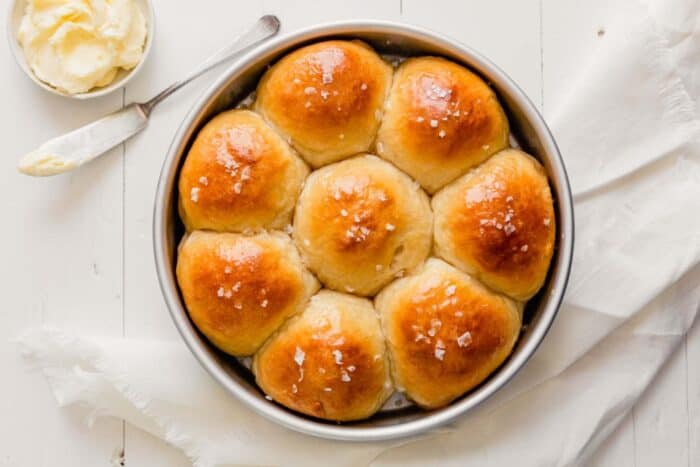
(361, 222)
(239, 175)
(327, 98)
(440, 120)
(239, 289)
(445, 332)
(329, 361)
(497, 223)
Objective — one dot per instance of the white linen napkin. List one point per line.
(628, 127)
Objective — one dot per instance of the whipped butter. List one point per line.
(43, 164)
(76, 45)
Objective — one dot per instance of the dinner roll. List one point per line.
(497, 223)
(327, 98)
(239, 289)
(361, 222)
(445, 332)
(440, 120)
(239, 175)
(329, 361)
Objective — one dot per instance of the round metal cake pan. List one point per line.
(237, 82)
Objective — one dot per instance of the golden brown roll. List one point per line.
(239, 175)
(361, 222)
(440, 120)
(329, 361)
(239, 289)
(327, 98)
(497, 223)
(445, 332)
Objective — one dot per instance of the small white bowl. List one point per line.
(14, 19)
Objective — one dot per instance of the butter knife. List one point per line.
(70, 151)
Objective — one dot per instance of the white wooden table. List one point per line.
(75, 250)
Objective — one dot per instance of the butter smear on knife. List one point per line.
(43, 164)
